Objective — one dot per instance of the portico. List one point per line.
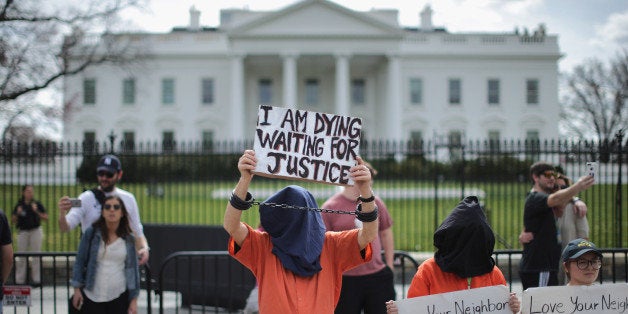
(328, 78)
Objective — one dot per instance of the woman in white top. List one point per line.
(106, 272)
(570, 225)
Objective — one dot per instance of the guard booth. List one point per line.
(216, 280)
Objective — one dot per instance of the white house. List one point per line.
(205, 84)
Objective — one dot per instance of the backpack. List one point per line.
(99, 195)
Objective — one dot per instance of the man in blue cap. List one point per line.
(109, 172)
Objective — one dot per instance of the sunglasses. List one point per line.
(549, 174)
(109, 206)
(562, 187)
(105, 174)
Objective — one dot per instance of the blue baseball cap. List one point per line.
(579, 247)
(109, 163)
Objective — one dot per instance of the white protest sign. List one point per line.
(606, 298)
(492, 299)
(16, 296)
(306, 145)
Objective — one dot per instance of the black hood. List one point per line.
(465, 241)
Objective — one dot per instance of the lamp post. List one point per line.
(112, 139)
(618, 194)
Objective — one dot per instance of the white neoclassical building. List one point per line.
(405, 82)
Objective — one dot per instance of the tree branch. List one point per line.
(595, 100)
(24, 71)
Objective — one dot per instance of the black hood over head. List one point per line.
(465, 241)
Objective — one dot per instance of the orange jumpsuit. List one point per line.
(430, 279)
(281, 291)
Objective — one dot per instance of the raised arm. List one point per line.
(362, 180)
(236, 229)
(564, 196)
(64, 206)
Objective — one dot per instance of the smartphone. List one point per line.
(592, 168)
(75, 202)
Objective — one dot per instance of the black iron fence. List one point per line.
(52, 293)
(213, 282)
(420, 181)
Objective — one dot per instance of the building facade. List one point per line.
(421, 82)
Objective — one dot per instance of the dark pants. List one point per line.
(369, 292)
(531, 280)
(119, 305)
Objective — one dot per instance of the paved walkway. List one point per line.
(55, 300)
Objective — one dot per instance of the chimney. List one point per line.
(194, 19)
(426, 19)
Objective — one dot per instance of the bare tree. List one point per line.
(595, 101)
(39, 119)
(42, 42)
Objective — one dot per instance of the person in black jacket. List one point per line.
(27, 216)
(6, 252)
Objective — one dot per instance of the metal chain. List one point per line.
(320, 210)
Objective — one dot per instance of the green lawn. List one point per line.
(415, 218)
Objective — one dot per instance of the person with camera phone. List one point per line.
(540, 259)
(86, 209)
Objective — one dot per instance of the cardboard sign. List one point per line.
(606, 298)
(492, 299)
(306, 145)
(16, 296)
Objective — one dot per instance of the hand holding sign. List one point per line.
(493, 299)
(247, 163)
(606, 298)
(513, 303)
(362, 177)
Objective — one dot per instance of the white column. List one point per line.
(238, 113)
(393, 129)
(342, 84)
(290, 79)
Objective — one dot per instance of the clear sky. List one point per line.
(585, 28)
